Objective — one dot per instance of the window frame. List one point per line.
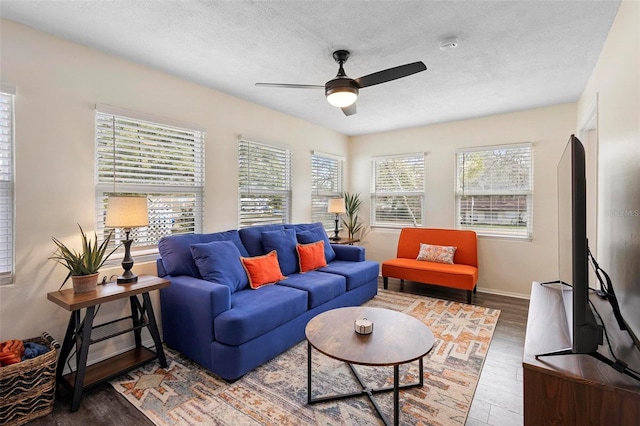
(418, 191)
(161, 194)
(493, 230)
(258, 184)
(7, 185)
(320, 198)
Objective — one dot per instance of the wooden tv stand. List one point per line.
(575, 389)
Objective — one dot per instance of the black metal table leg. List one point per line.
(396, 394)
(153, 329)
(84, 337)
(137, 317)
(67, 344)
(308, 373)
(368, 392)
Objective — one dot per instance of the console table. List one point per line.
(575, 389)
(83, 333)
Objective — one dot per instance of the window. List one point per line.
(6, 185)
(137, 155)
(326, 182)
(397, 193)
(264, 184)
(494, 190)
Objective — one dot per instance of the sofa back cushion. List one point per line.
(283, 241)
(175, 250)
(465, 242)
(307, 233)
(219, 262)
(251, 238)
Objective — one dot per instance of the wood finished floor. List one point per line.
(497, 401)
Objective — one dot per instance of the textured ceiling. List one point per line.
(511, 55)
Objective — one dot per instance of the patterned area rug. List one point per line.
(276, 392)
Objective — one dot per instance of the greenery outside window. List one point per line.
(397, 191)
(494, 190)
(6, 185)
(326, 182)
(264, 183)
(150, 156)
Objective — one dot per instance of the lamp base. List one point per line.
(335, 238)
(127, 277)
(127, 280)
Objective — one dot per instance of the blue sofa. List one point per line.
(210, 313)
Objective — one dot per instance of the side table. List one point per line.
(349, 241)
(83, 333)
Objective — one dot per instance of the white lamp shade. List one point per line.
(336, 205)
(127, 212)
(342, 98)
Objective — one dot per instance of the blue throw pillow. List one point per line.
(317, 234)
(219, 261)
(284, 243)
(175, 250)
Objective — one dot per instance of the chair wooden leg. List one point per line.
(469, 293)
(475, 289)
(385, 281)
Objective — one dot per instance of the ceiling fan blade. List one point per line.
(349, 110)
(390, 74)
(290, 86)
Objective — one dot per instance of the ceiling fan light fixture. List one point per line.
(342, 97)
(341, 92)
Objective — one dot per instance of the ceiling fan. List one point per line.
(342, 91)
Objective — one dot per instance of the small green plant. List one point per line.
(352, 203)
(86, 262)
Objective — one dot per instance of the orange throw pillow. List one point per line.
(262, 270)
(311, 256)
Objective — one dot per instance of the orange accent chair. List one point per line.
(462, 274)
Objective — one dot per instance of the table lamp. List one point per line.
(336, 205)
(127, 212)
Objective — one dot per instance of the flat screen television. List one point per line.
(573, 249)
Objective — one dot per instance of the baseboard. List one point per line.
(503, 293)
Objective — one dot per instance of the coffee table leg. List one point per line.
(308, 373)
(396, 394)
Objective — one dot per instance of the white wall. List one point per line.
(616, 81)
(58, 84)
(506, 266)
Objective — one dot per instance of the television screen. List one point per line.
(573, 259)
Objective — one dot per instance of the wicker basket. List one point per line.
(28, 387)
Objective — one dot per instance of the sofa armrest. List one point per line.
(189, 306)
(348, 253)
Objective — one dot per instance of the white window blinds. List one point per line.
(163, 162)
(397, 192)
(494, 190)
(6, 188)
(264, 184)
(326, 182)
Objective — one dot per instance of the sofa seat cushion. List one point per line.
(320, 286)
(255, 312)
(356, 273)
(449, 275)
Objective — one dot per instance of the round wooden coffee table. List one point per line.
(396, 339)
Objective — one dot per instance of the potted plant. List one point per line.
(83, 266)
(351, 222)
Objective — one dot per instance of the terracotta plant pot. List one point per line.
(84, 283)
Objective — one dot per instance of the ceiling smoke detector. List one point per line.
(448, 43)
